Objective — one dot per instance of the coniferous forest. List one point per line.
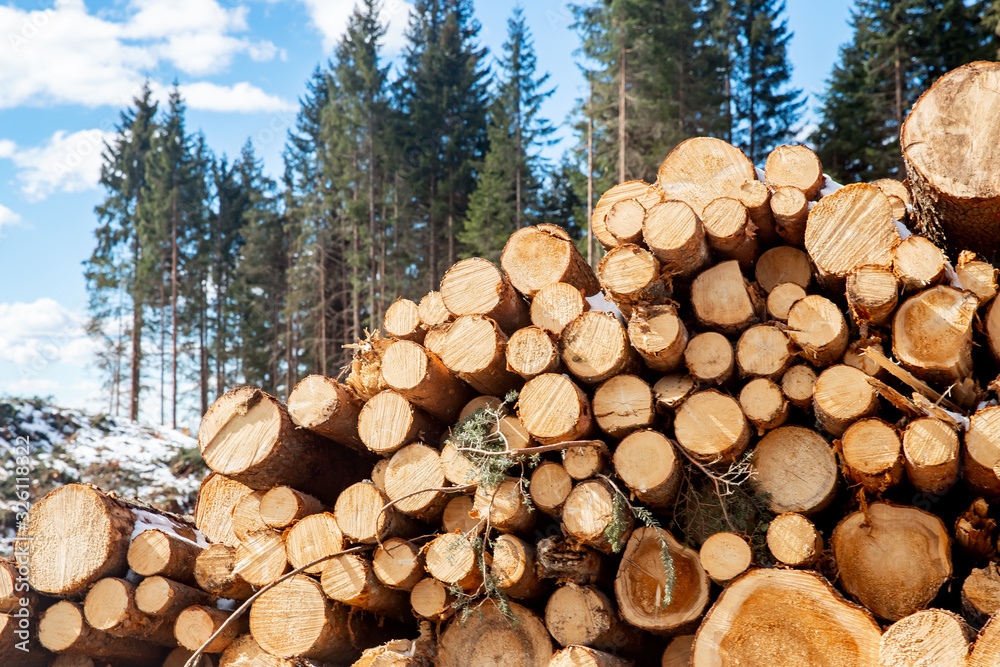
(207, 273)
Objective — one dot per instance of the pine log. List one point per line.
(673, 232)
(595, 347)
(110, 607)
(378, 474)
(720, 299)
(432, 311)
(566, 559)
(763, 404)
(550, 486)
(873, 455)
(350, 579)
(556, 305)
(78, 534)
(282, 506)
(764, 351)
(678, 651)
(588, 513)
(955, 199)
(514, 568)
(785, 618)
(63, 629)
(659, 336)
(456, 467)
(535, 257)
(670, 391)
(872, 294)
(976, 276)
(14, 590)
(623, 404)
(917, 263)
(794, 541)
(857, 356)
(423, 379)
(795, 469)
(554, 409)
(214, 572)
(314, 536)
(729, 232)
(986, 650)
(631, 277)
(476, 287)
(864, 210)
(930, 637)
(432, 600)
(725, 556)
(898, 194)
(781, 299)
(505, 506)
(583, 615)
(586, 460)
(797, 385)
(435, 338)
(388, 422)
(932, 334)
(931, 450)
(710, 359)
(475, 350)
(756, 197)
(624, 221)
(412, 469)
(488, 639)
(701, 169)
(797, 166)
(20, 647)
(981, 595)
(158, 596)
(646, 462)
(246, 516)
(993, 328)
(451, 559)
(361, 518)
(584, 656)
(892, 559)
(981, 454)
(157, 552)
(261, 557)
(480, 403)
(783, 264)
(817, 326)
(531, 352)
(398, 564)
(213, 513)
(975, 531)
(620, 192)
(641, 580)
(790, 208)
(711, 427)
(402, 321)
(245, 652)
(514, 433)
(841, 396)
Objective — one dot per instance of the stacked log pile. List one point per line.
(763, 431)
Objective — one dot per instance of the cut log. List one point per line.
(556, 305)
(640, 586)
(261, 557)
(536, 257)
(764, 351)
(729, 231)
(213, 513)
(981, 454)
(595, 347)
(388, 422)
(917, 263)
(432, 311)
(158, 596)
(790, 209)
(892, 559)
(712, 428)
(898, 194)
(857, 356)
(931, 451)
(513, 432)
(630, 276)
(783, 264)
(673, 232)
(398, 564)
(976, 276)
(584, 656)
(865, 211)
(20, 649)
(586, 460)
(360, 516)
(646, 462)
(505, 507)
(817, 326)
(756, 197)
(993, 328)
(180, 656)
(785, 618)
(589, 515)
(797, 384)
(565, 559)
(514, 570)
(699, 170)
(14, 594)
(975, 531)
(956, 201)
(246, 517)
(670, 391)
(451, 559)
(110, 607)
(932, 334)
(620, 192)
(794, 541)
(365, 378)
(423, 379)
(550, 486)
(402, 321)
(623, 404)
(480, 403)
(378, 474)
(67, 553)
(245, 652)
(282, 506)
(412, 469)
(720, 299)
(456, 467)
(476, 287)
(709, 359)
(624, 221)
(872, 294)
(554, 409)
(314, 536)
(349, 579)
(763, 404)
(432, 600)
(659, 336)
(63, 629)
(157, 552)
(930, 637)
(475, 350)
(981, 595)
(841, 396)
(873, 455)
(531, 352)
(213, 570)
(725, 556)
(986, 650)
(434, 340)
(678, 651)
(488, 638)
(781, 299)
(797, 166)
(583, 615)
(795, 469)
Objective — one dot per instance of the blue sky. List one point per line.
(68, 67)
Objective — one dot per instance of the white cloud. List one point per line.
(240, 97)
(7, 216)
(35, 335)
(63, 163)
(31, 387)
(330, 19)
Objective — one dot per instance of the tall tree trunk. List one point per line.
(432, 237)
(590, 174)
(220, 309)
(163, 352)
(373, 267)
(203, 350)
(621, 112)
(451, 214)
(355, 274)
(135, 365)
(173, 312)
(517, 134)
(119, 349)
(321, 338)
(395, 229)
(899, 100)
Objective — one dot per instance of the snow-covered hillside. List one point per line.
(159, 465)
